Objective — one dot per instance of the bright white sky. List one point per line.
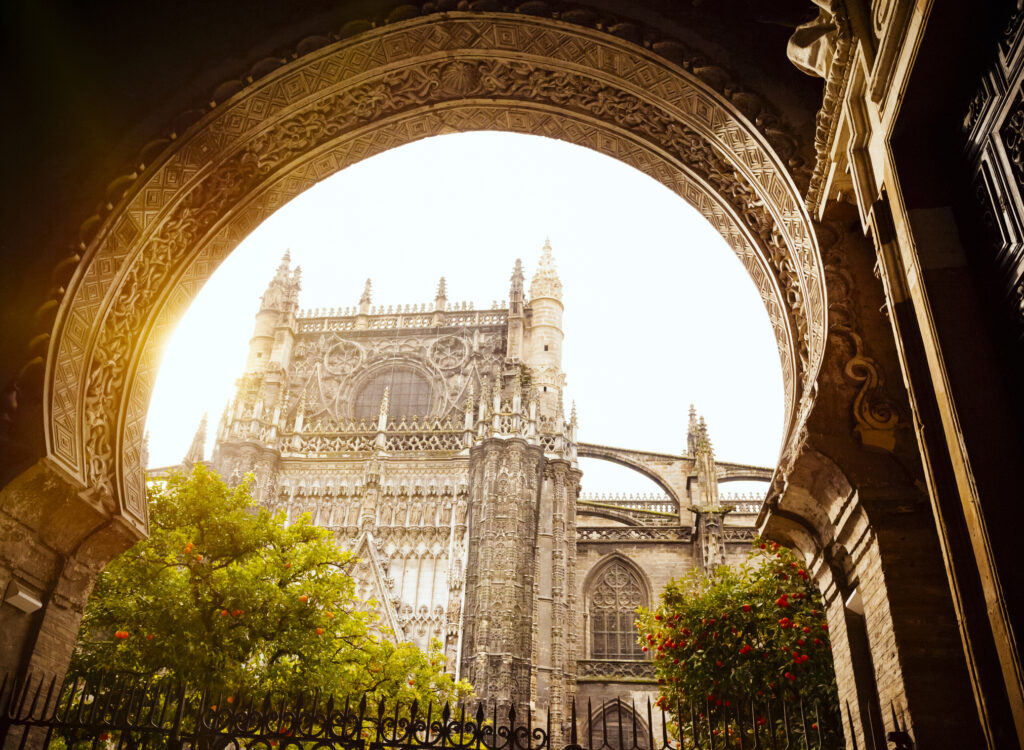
(659, 312)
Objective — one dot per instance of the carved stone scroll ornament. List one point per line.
(875, 415)
(237, 165)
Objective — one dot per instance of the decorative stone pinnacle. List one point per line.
(197, 450)
(442, 289)
(517, 276)
(545, 281)
(367, 294)
(383, 414)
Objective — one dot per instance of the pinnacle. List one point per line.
(367, 293)
(545, 281)
(442, 289)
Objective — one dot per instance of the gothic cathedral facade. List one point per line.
(433, 440)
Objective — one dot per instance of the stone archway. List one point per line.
(332, 107)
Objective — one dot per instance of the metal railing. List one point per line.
(130, 712)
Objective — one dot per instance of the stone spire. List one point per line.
(283, 288)
(545, 281)
(197, 451)
(366, 299)
(442, 294)
(516, 322)
(517, 278)
(692, 433)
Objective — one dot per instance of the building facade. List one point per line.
(433, 440)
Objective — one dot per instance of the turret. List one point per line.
(542, 349)
(276, 315)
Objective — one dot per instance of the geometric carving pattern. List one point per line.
(364, 95)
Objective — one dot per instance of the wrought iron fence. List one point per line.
(130, 712)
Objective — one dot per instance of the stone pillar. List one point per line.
(55, 538)
(555, 592)
(855, 503)
(498, 620)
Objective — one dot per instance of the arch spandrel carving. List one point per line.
(349, 100)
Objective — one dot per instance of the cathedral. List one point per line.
(433, 440)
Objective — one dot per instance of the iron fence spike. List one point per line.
(572, 722)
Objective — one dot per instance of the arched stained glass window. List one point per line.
(614, 597)
(408, 395)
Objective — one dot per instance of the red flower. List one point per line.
(782, 601)
(237, 613)
(231, 699)
(199, 558)
(745, 649)
(746, 607)
(149, 636)
(800, 642)
(789, 676)
(807, 630)
(104, 737)
(817, 641)
(718, 663)
(319, 631)
(645, 648)
(188, 548)
(223, 613)
(121, 634)
(824, 626)
(303, 598)
(657, 617)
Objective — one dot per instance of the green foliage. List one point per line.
(224, 594)
(756, 630)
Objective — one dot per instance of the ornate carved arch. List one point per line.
(270, 140)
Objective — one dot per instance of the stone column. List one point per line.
(497, 644)
(55, 538)
(556, 605)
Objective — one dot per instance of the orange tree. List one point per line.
(223, 594)
(754, 631)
